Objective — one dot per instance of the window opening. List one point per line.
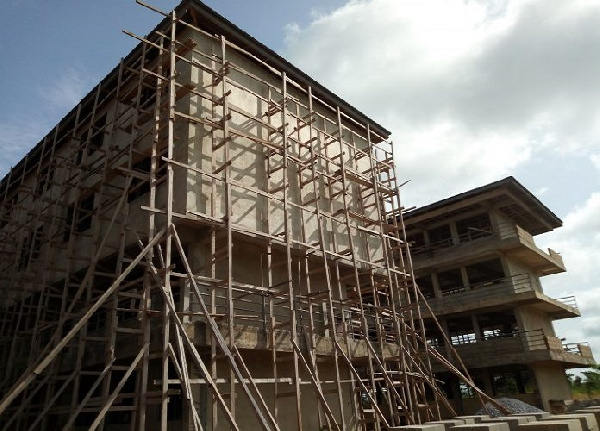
(440, 237)
(140, 185)
(84, 214)
(97, 138)
(425, 285)
(450, 281)
(475, 227)
(486, 272)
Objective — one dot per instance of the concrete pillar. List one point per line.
(464, 275)
(488, 386)
(426, 237)
(505, 265)
(454, 233)
(476, 328)
(519, 318)
(493, 215)
(184, 306)
(436, 286)
(551, 382)
(456, 395)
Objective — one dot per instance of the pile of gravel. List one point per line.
(511, 404)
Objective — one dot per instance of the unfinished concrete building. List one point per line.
(475, 260)
(203, 243)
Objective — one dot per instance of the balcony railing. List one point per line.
(502, 231)
(582, 349)
(472, 234)
(493, 289)
(500, 287)
(570, 301)
(512, 343)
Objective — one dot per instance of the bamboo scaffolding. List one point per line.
(129, 294)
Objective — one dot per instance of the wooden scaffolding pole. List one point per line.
(198, 152)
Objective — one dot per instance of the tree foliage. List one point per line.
(588, 384)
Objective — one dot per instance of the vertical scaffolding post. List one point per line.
(211, 235)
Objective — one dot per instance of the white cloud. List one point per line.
(447, 152)
(578, 242)
(67, 90)
(474, 91)
(16, 139)
(470, 89)
(18, 136)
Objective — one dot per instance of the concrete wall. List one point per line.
(516, 267)
(255, 174)
(530, 319)
(259, 364)
(552, 383)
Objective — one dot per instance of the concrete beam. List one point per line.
(473, 419)
(482, 427)
(555, 425)
(588, 420)
(512, 421)
(594, 409)
(424, 427)
(536, 415)
(447, 423)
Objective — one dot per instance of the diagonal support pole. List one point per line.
(223, 344)
(30, 375)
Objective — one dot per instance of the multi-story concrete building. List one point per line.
(203, 243)
(476, 262)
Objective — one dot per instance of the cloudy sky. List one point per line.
(473, 91)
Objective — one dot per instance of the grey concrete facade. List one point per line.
(476, 262)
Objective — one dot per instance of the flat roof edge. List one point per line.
(237, 35)
(510, 183)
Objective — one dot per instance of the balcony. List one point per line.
(514, 348)
(516, 289)
(545, 263)
(510, 238)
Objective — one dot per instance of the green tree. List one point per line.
(591, 384)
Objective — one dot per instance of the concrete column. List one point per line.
(196, 255)
(519, 318)
(505, 265)
(426, 237)
(454, 233)
(453, 383)
(552, 383)
(464, 275)
(436, 286)
(476, 328)
(494, 217)
(325, 320)
(486, 379)
(184, 305)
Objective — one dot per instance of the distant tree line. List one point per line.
(588, 384)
